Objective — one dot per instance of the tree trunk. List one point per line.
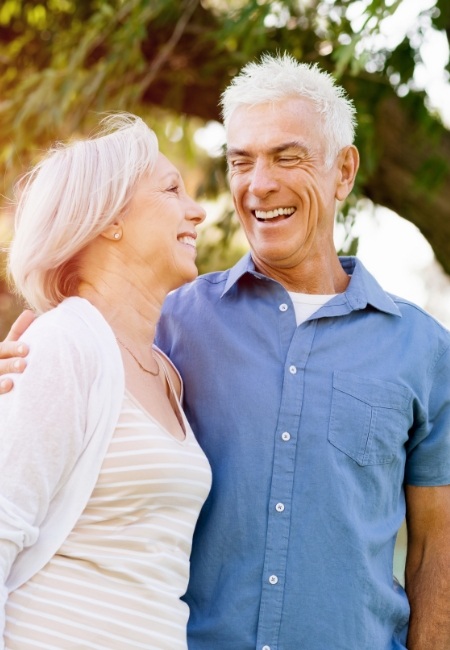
(412, 176)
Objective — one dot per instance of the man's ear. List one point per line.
(113, 232)
(348, 164)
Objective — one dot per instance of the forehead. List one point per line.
(293, 119)
(153, 181)
(163, 167)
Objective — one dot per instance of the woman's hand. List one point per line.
(12, 351)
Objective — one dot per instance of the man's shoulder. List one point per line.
(414, 312)
(423, 332)
(187, 310)
(212, 278)
(213, 285)
(207, 284)
(412, 315)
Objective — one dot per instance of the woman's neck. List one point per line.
(131, 313)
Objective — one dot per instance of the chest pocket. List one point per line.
(369, 418)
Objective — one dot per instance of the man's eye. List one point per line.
(174, 188)
(239, 163)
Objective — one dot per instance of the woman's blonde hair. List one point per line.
(68, 199)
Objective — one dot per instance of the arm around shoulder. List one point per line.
(12, 350)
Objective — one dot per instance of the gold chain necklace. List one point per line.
(150, 372)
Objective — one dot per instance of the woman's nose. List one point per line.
(196, 212)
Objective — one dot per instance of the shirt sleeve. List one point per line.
(42, 425)
(428, 462)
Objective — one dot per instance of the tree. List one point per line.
(62, 60)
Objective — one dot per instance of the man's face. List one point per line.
(284, 195)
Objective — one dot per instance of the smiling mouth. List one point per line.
(278, 214)
(185, 239)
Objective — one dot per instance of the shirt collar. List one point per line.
(362, 290)
(244, 265)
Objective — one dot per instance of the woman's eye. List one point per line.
(174, 188)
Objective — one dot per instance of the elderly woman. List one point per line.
(101, 478)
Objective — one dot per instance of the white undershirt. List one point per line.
(306, 304)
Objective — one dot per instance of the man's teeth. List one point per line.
(271, 214)
(187, 240)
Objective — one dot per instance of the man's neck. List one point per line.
(324, 279)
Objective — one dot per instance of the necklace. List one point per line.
(150, 372)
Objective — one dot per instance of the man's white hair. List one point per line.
(275, 78)
(69, 198)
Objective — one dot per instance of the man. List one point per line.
(322, 402)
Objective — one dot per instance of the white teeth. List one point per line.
(187, 240)
(271, 214)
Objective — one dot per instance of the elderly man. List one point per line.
(321, 401)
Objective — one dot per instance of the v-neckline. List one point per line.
(183, 425)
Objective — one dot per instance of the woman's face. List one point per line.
(159, 227)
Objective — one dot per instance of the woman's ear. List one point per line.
(113, 232)
(348, 161)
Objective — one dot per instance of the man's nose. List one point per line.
(263, 179)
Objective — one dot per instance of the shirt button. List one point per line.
(279, 507)
(283, 307)
(265, 647)
(273, 580)
(292, 370)
(285, 436)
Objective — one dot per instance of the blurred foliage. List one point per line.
(64, 61)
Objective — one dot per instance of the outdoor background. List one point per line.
(63, 62)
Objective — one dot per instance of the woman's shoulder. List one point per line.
(74, 332)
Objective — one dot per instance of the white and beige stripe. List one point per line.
(117, 580)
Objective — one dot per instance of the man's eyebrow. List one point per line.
(233, 151)
(292, 144)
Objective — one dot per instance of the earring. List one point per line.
(117, 235)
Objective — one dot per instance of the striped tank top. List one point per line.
(117, 580)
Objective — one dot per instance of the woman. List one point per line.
(101, 479)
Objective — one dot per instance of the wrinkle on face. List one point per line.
(281, 167)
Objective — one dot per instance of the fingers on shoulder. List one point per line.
(20, 325)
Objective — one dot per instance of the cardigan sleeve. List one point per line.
(42, 428)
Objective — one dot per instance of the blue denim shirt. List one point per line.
(311, 432)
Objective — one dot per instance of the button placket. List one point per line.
(297, 346)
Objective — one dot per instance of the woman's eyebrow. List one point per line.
(171, 176)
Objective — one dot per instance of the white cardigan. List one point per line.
(55, 427)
